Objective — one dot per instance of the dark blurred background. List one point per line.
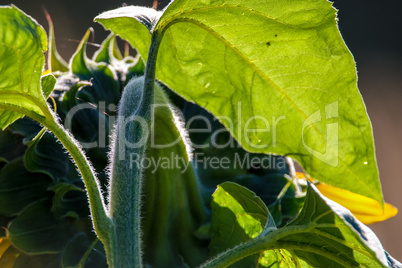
(371, 29)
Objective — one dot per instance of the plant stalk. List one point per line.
(273, 240)
(101, 221)
(126, 177)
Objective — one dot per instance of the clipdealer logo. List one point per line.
(246, 132)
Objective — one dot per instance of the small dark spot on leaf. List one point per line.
(276, 35)
(268, 43)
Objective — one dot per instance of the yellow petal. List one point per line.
(8, 254)
(4, 244)
(365, 209)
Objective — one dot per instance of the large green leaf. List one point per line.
(279, 69)
(23, 42)
(324, 234)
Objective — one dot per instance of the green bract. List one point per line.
(276, 77)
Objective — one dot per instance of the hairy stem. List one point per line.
(131, 135)
(233, 255)
(150, 68)
(273, 240)
(99, 216)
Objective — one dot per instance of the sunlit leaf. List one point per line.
(141, 21)
(48, 83)
(238, 215)
(79, 61)
(22, 60)
(324, 234)
(279, 70)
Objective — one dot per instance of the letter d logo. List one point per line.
(330, 155)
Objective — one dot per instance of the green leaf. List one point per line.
(238, 215)
(69, 201)
(36, 230)
(48, 82)
(11, 146)
(141, 21)
(19, 187)
(279, 258)
(338, 230)
(46, 155)
(27, 128)
(23, 42)
(279, 70)
(324, 234)
(283, 206)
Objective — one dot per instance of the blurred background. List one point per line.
(372, 32)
